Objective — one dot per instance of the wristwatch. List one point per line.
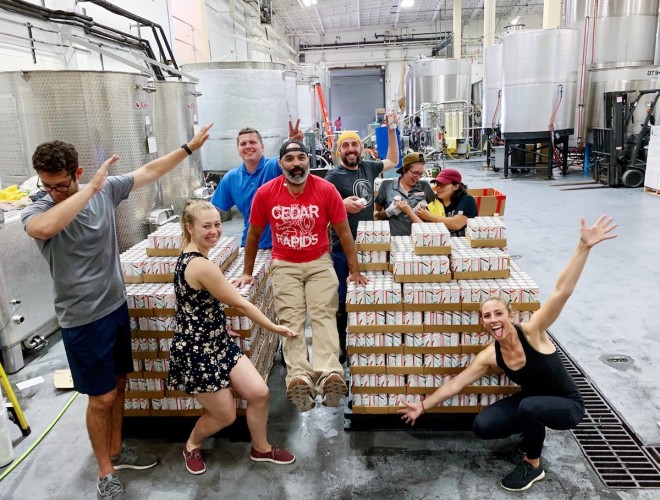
(186, 149)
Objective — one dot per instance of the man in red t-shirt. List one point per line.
(299, 207)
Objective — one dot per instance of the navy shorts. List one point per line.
(99, 351)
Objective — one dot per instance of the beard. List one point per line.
(296, 175)
(350, 163)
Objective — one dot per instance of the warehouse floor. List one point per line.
(611, 316)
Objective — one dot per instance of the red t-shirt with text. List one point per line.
(299, 224)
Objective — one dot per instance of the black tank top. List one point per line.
(542, 374)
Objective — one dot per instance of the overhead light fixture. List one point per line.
(308, 3)
(407, 3)
(515, 20)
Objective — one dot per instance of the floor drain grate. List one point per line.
(609, 445)
(597, 410)
(654, 453)
(617, 458)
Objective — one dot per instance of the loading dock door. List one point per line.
(355, 93)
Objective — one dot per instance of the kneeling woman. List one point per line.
(548, 395)
(204, 360)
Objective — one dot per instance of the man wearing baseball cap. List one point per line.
(354, 179)
(459, 205)
(398, 198)
(299, 207)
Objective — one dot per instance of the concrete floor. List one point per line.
(611, 313)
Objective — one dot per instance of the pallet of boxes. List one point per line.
(148, 273)
(416, 322)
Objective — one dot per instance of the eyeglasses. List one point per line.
(416, 174)
(60, 188)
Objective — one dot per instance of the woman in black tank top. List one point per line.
(548, 396)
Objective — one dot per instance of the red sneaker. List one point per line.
(194, 461)
(275, 455)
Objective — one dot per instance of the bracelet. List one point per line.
(186, 149)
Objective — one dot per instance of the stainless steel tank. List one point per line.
(101, 113)
(492, 86)
(236, 95)
(440, 80)
(608, 80)
(624, 32)
(291, 94)
(175, 118)
(540, 74)
(306, 104)
(27, 313)
(606, 41)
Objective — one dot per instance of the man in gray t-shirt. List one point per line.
(73, 226)
(354, 179)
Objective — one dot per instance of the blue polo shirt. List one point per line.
(238, 186)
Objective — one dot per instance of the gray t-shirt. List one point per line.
(401, 225)
(84, 256)
(360, 183)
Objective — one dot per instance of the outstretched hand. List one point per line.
(600, 231)
(101, 175)
(411, 412)
(198, 141)
(284, 331)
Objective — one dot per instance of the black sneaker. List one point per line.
(522, 477)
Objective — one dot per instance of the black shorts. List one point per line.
(99, 351)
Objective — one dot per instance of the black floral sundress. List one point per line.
(202, 353)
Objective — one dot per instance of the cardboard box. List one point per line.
(489, 201)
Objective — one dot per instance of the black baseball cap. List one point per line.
(299, 146)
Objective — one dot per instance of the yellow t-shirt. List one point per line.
(436, 208)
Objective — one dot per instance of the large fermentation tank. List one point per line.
(632, 78)
(236, 95)
(606, 41)
(436, 80)
(540, 75)
(624, 32)
(306, 104)
(175, 119)
(27, 313)
(101, 113)
(492, 86)
(291, 94)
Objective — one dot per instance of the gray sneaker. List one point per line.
(131, 458)
(109, 487)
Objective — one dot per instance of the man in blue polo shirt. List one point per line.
(238, 186)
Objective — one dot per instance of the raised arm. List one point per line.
(203, 273)
(477, 369)
(48, 224)
(392, 159)
(589, 237)
(157, 168)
